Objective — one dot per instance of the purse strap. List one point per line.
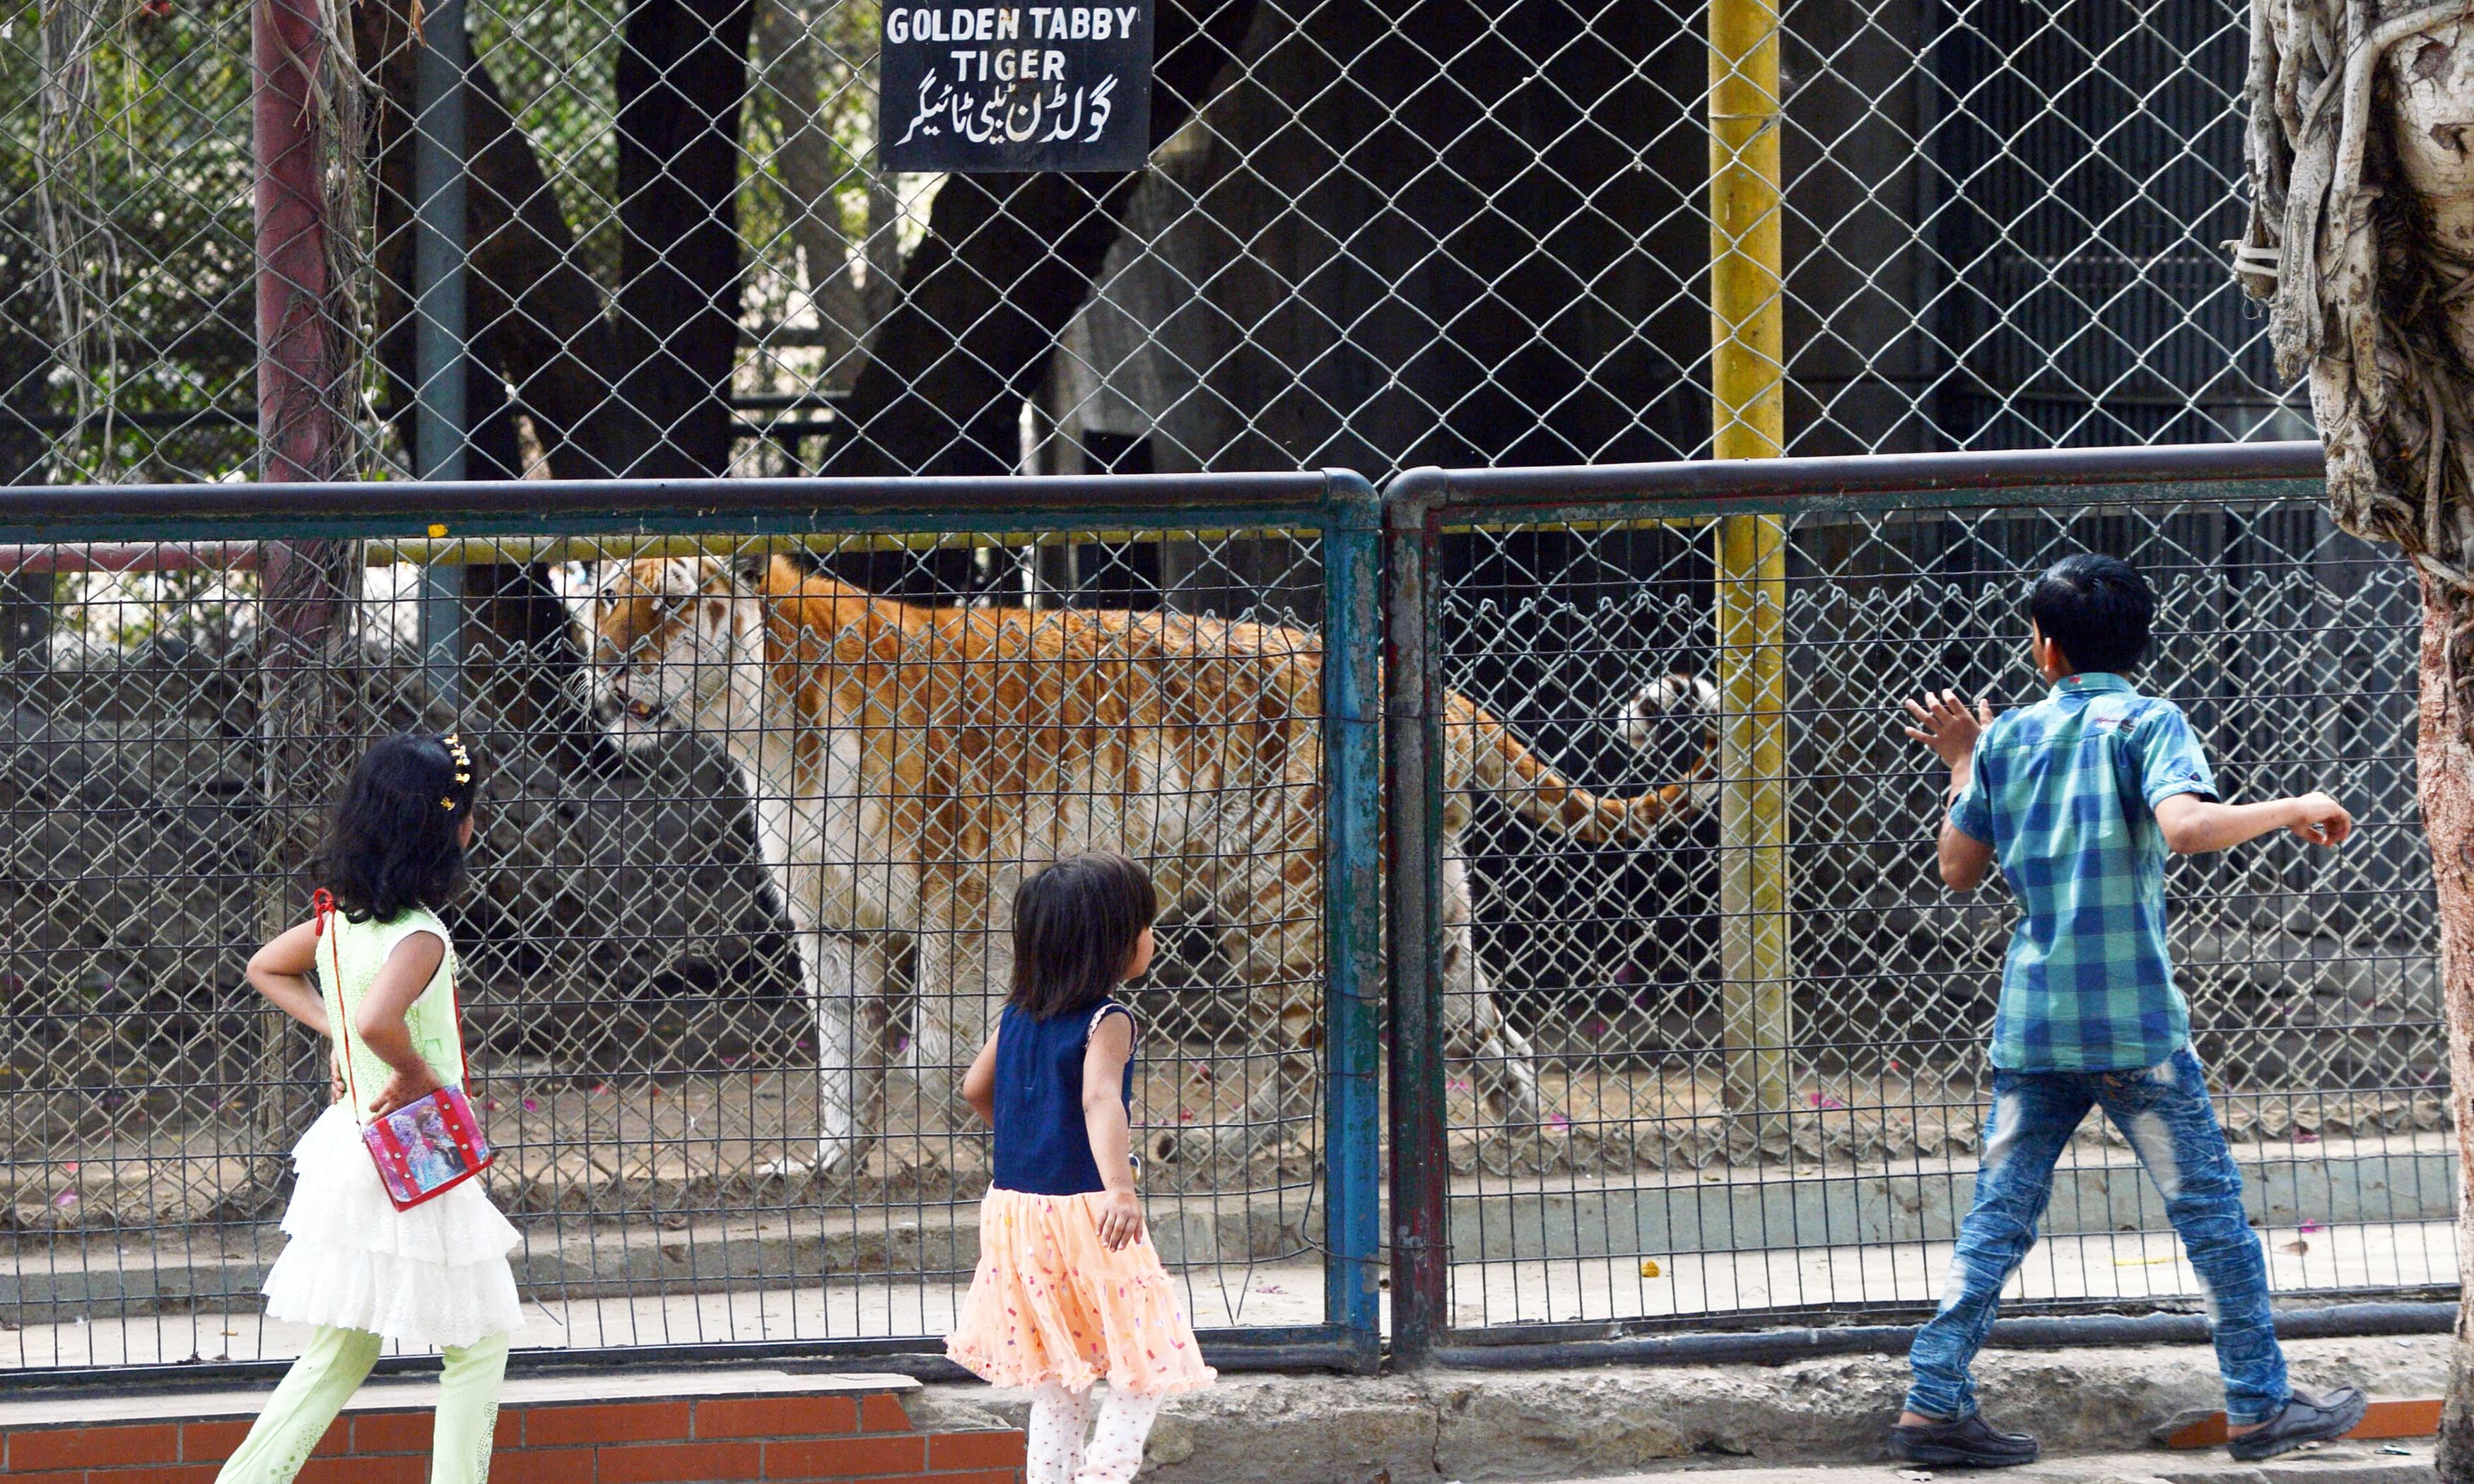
(322, 908)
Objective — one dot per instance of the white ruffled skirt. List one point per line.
(435, 1276)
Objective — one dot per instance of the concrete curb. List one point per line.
(2342, 1463)
(1477, 1425)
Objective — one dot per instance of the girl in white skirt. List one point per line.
(435, 1276)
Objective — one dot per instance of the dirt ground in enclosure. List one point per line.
(590, 1143)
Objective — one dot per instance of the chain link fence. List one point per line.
(717, 989)
(1730, 1130)
(1369, 236)
(723, 955)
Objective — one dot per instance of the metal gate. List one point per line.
(714, 1136)
(1756, 1028)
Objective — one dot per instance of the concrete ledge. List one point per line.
(1617, 1421)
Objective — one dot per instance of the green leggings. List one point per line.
(327, 1373)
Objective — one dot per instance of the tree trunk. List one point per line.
(1007, 262)
(648, 396)
(536, 314)
(2444, 759)
(811, 178)
(301, 392)
(301, 432)
(682, 85)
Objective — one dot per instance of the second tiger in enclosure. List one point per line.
(907, 763)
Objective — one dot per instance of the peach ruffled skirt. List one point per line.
(1050, 1303)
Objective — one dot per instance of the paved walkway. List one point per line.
(2340, 1463)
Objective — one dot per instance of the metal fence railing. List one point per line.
(1368, 235)
(1680, 1034)
(725, 949)
(1757, 1032)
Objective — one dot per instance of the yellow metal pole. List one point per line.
(1747, 374)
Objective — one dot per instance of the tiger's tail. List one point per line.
(1499, 764)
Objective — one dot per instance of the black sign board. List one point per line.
(1015, 86)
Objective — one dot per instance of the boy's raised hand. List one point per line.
(1944, 723)
(2323, 821)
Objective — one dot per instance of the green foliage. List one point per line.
(125, 308)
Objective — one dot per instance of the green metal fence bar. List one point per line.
(1334, 517)
(1446, 1237)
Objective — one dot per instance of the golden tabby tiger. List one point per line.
(906, 762)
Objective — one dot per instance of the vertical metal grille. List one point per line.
(716, 1005)
(1657, 1191)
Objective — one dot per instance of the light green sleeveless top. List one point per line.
(349, 956)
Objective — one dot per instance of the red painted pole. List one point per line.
(296, 354)
(301, 361)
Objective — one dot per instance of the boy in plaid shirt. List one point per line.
(2080, 798)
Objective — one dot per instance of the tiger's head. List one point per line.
(665, 633)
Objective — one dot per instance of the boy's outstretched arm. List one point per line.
(2194, 825)
(1944, 723)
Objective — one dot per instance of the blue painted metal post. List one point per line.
(1353, 915)
(438, 338)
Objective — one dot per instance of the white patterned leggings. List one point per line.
(1060, 1422)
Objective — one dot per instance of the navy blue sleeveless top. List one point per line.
(1042, 1146)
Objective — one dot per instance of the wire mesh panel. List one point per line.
(1668, 1176)
(752, 810)
(1368, 235)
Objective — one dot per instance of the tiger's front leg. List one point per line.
(846, 985)
(1502, 1066)
(963, 975)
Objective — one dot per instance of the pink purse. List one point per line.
(425, 1148)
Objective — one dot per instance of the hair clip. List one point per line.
(454, 745)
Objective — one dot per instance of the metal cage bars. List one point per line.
(119, 525)
(1384, 585)
(1720, 503)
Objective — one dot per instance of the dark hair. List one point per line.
(2097, 610)
(392, 844)
(1075, 926)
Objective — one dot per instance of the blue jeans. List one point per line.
(2165, 1114)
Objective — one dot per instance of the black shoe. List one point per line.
(2303, 1421)
(1969, 1443)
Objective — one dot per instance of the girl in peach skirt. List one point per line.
(1070, 1290)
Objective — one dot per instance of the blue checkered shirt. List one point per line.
(2065, 791)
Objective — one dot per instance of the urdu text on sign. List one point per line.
(1016, 87)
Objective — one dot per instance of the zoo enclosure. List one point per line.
(1761, 1036)
(1754, 1034)
(194, 668)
